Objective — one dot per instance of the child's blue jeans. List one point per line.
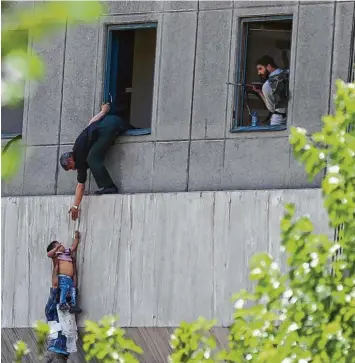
(66, 285)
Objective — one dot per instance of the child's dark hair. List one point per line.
(51, 246)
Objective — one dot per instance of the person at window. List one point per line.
(89, 152)
(275, 92)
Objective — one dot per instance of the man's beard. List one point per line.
(265, 77)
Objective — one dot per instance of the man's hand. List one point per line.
(257, 89)
(74, 213)
(77, 235)
(105, 108)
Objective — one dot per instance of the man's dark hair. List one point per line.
(51, 246)
(265, 61)
(64, 159)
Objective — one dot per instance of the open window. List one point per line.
(12, 115)
(129, 79)
(259, 37)
(11, 121)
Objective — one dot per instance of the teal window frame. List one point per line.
(241, 74)
(110, 91)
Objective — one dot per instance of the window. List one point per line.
(11, 121)
(129, 79)
(12, 116)
(262, 36)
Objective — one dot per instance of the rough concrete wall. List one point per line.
(190, 147)
(153, 259)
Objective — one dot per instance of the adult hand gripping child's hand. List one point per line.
(74, 211)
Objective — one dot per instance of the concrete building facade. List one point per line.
(192, 145)
(210, 186)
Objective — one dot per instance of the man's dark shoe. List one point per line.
(75, 310)
(107, 190)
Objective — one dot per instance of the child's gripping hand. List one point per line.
(77, 235)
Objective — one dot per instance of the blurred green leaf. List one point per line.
(11, 158)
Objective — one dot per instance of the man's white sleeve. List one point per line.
(269, 98)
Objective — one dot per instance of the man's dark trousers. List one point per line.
(108, 129)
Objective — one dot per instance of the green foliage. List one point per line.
(107, 343)
(23, 25)
(12, 156)
(21, 351)
(41, 330)
(308, 313)
(193, 343)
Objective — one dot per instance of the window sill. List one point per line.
(137, 132)
(9, 136)
(239, 129)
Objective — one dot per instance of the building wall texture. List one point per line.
(191, 147)
(153, 259)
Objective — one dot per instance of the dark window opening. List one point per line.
(12, 115)
(129, 81)
(269, 36)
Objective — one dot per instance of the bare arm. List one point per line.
(52, 252)
(97, 117)
(79, 193)
(105, 108)
(76, 242)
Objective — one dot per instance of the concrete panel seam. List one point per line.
(332, 58)
(212, 10)
(96, 68)
(290, 155)
(131, 292)
(224, 159)
(27, 93)
(192, 104)
(61, 110)
(153, 167)
(245, 136)
(268, 219)
(352, 45)
(229, 68)
(156, 85)
(213, 302)
(119, 242)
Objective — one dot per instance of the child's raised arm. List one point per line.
(76, 241)
(52, 252)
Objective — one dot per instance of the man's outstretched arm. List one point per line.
(105, 108)
(79, 193)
